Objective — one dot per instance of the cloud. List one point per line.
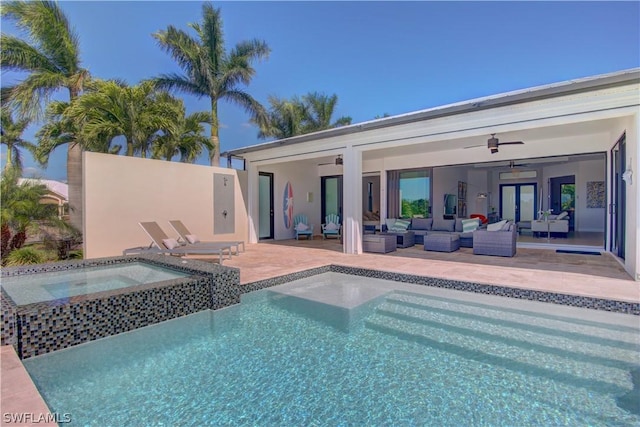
(223, 126)
(247, 125)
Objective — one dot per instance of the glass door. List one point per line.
(518, 202)
(331, 187)
(617, 206)
(265, 205)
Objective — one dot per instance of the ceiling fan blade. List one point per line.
(474, 146)
(510, 143)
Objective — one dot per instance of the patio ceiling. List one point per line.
(478, 143)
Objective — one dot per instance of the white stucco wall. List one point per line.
(303, 181)
(122, 191)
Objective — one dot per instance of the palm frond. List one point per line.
(47, 25)
(183, 48)
(18, 55)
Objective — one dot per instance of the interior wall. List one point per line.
(120, 192)
(303, 183)
(586, 219)
(445, 181)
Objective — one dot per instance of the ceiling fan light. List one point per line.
(494, 150)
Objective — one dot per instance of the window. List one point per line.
(415, 194)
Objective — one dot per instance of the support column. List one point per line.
(253, 191)
(352, 201)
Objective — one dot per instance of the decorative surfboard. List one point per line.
(287, 205)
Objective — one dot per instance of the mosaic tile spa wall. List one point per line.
(40, 328)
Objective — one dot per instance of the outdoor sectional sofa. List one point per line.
(501, 242)
(424, 226)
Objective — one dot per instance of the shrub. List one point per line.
(25, 256)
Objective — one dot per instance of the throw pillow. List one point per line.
(170, 243)
(389, 222)
(496, 226)
(192, 238)
(470, 225)
(563, 214)
(331, 227)
(400, 226)
(302, 226)
(443, 224)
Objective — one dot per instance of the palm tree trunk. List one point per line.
(74, 178)
(214, 153)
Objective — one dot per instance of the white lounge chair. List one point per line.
(166, 245)
(184, 234)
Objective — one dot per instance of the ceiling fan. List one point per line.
(493, 143)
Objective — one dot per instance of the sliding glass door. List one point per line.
(331, 188)
(518, 202)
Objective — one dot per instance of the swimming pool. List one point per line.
(411, 356)
(34, 288)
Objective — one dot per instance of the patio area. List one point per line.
(599, 276)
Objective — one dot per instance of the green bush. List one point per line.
(25, 256)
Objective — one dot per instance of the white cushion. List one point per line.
(389, 222)
(192, 238)
(563, 214)
(331, 227)
(170, 243)
(302, 226)
(496, 226)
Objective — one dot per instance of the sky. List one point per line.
(377, 57)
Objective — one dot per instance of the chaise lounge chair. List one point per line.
(166, 245)
(192, 240)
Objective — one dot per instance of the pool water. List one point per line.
(417, 357)
(41, 287)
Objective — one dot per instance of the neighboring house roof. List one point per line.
(59, 188)
(509, 98)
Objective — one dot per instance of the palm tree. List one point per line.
(111, 109)
(320, 109)
(312, 113)
(284, 119)
(11, 136)
(210, 71)
(52, 60)
(21, 211)
(187, 140)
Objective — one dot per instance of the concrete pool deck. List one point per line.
(598, 276)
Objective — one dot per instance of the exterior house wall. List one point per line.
(574, 117)
(302, 182)
(629, 126)
(122, 191)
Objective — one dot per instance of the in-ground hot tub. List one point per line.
(53, 306)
